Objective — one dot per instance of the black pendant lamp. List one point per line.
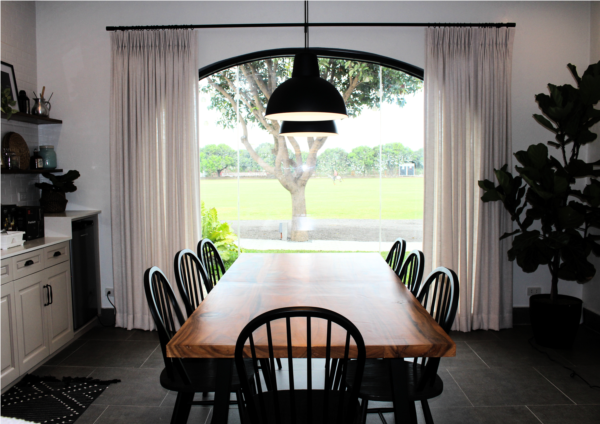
(306, 96)
(308, 129)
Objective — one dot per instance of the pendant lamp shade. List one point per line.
(308, 129)
(306, 96)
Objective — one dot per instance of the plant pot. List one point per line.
(555, 324)
(53, 201)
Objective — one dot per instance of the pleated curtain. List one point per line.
(468, 134)
(155, 208)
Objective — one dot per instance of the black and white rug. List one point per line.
(50, 400)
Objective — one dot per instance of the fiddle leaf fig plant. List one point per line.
(7, 103)
(555, 218)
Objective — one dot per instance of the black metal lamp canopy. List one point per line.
(308, 129)
(306, 96)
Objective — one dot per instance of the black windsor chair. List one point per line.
(439, 296)
(184, 376)
(332, 404)
(411, 271)
(192, 280)
(211, 259)
(396, 255)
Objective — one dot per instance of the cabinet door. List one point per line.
(32, 340)
(59, 312)
(8, 321)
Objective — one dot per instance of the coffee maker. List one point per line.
(31, 220)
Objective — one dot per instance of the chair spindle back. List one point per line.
(192, 280)
(411, 272)
(396, 255)
(211, 259)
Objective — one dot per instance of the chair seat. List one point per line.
(301, 412)
(203, 373)
(376, 383)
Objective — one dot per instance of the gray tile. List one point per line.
(91, 414)
(507, 386)
(113, 354)
(107, 334)
(518, 332)
(459, 336)
(452, 394)
(561, 414)
(138, 387)
(155, 360)
(66, 352)
(509, 353)
(465, 358)
(149, 336)
(59, 371)
(135, 415)
(487, 415)
(574, 387)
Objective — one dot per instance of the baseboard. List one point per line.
(521, 315)
(591, 320)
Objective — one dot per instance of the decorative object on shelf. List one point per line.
(9, 82)
(7, 103)
(39, 107)
(16, 144)
(23, 102)
(4, 157)
(14, 161)
(53, 198)
(36, 162)
(545, 190)
(49, 156)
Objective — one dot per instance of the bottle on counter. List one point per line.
(36, 162)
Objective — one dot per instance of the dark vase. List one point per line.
(53, 201)
(555, 324)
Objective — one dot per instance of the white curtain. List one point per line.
(155, 207)
(468, 134)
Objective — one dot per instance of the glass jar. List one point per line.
(14, 161)
(36, 161)
(49, 155)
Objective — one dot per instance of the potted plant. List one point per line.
(53, 198)
(554, 202)
(7, 103)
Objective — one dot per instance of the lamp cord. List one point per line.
(573, 372)
(115, 308)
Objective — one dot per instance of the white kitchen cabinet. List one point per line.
(59, 315)
(31, 296)
(36, 308)
(8, 321)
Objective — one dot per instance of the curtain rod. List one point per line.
(322, 24)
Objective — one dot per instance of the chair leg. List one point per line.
(413, 411)
(427, 412)
(279, 363)
(183, 404)
(241, 406)
(363, 411)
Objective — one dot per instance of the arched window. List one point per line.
(357, 191)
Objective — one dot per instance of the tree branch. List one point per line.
(298, 154)
(311, 160)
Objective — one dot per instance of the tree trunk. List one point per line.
(299, 230)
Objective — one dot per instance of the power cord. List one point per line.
(115, 308)
(573, 372)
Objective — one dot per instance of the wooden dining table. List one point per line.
(359, 286)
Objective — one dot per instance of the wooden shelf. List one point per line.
(30, 171)
(32, 119)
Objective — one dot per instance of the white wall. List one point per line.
(591, 290)
(74, 58)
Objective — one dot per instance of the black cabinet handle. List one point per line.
(47, 295)
(29, 262)
(51, 295)
(57, 253)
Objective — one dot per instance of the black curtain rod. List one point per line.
(322, 24)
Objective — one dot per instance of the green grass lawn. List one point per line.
(354, 198)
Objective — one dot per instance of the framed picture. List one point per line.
(9, 81)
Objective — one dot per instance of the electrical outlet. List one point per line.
(22, 196)
(109, 292)
(533, 290)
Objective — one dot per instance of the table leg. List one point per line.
(222, 391)
(402, 405)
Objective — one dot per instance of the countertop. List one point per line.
(32, 245)
(72, 215)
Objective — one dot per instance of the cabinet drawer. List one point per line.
(7, 270)
(28, 263)
(56, 254)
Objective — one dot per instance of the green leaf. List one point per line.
(544, 122)
(569, 217)
(506, 235)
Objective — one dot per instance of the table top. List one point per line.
(359, 286)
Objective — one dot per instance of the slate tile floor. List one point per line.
(496, 377)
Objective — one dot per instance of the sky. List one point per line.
(391, 124)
